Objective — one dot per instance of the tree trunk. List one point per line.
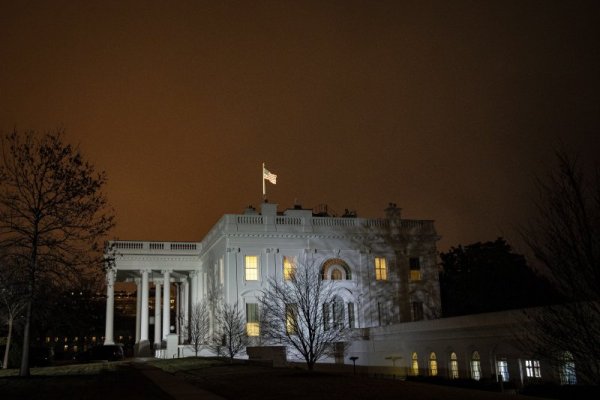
(24, 371)
(8, 338)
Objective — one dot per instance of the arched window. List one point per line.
(414, 367)
(567, 370)
(433, 369)
(475, 366)
(453, 366)
(335, 264)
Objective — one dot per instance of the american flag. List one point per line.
(269, 176)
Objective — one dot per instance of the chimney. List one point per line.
(392, 212)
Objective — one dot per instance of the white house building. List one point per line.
(386, 267)
(387, 286)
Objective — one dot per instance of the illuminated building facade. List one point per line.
(387, 291)
(385, 268)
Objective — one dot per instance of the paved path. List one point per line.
(175, 386)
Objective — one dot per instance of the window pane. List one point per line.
(415, 268)
(417, 308)
(338, 313)
(251, 268)
(432, 365)
(380, 269)
(326, 317)
(252, 327)
(476, 366)
(336, 275)
(415, 364)
(291, 325)
(503, 370)
(289, 268)
(453, 366)
(351, 315)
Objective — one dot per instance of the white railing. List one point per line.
(289, 221)
(155, 246)
(249, 219)
(184, 246)
(244, 222)
(128, 245)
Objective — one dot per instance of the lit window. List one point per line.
(252, 327)
(532, 369)
(417, 309)
(336, 275)
(291, 320)
(380, 269)
(502, 366)
(433, 370)
(289, 268)
(567, 370)
(415, 268)
(351, 323)
(453, 366)
(251, 268)
(476, 366)
(414, 367)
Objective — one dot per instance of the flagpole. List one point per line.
(263, 182)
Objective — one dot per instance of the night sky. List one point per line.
(447, 108)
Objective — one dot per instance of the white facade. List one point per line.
(386, 277)
(386, 267)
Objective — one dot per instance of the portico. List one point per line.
(171, 269)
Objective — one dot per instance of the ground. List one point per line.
(88, 381)
(125, 380)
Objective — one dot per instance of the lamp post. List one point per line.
(354, 358)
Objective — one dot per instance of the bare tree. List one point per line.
(229, 335)
(199, 326)
(11, 302)
(53, 213)
(302, 313)
(565, 239)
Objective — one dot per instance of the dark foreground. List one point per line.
(237, 381)
(122, 382)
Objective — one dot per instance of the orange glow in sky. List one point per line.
(448, 109)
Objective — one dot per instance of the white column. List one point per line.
(138, 309)
(110, 307)
(186, 309)
(157, 331)
(178, 308)
(166, 303)
(193, 288)
(144, 321)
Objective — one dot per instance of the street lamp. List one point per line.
(354, 358)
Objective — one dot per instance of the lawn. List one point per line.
(238, 380)
(253, 382)
(84, 381)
